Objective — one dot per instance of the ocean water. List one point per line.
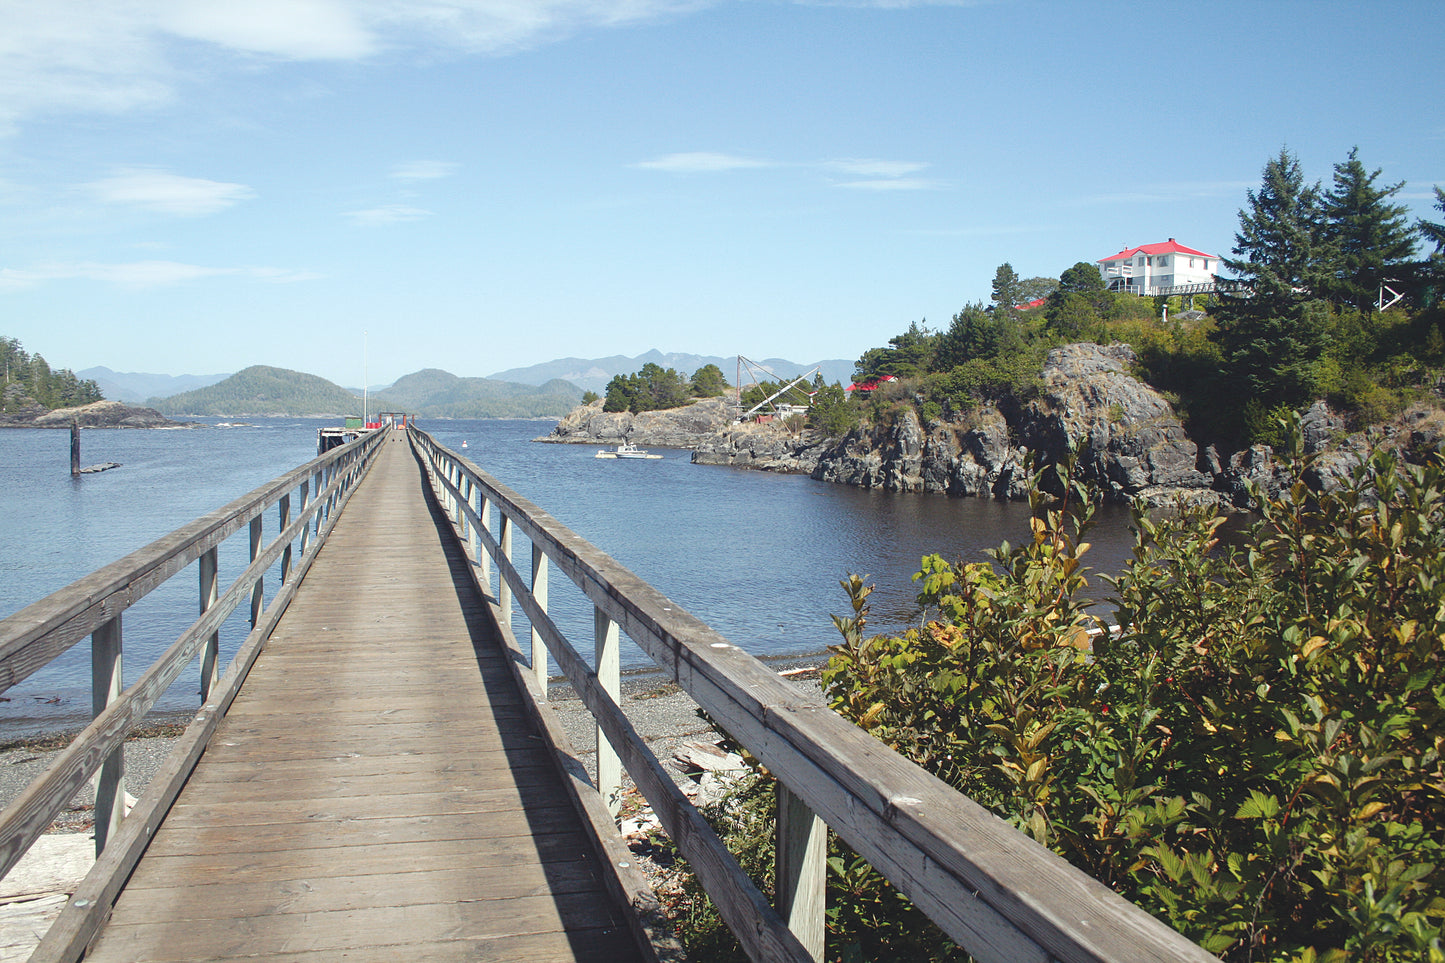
(756, 555)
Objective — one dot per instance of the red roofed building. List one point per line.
(1150, 267)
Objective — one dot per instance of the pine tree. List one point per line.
(1367, 240)
(1007, 288)
(1432, 232)
(1269, 345)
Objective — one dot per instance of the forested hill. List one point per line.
(441, 394)
(30, 382)
(259, 391)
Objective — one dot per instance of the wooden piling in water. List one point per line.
(74, 446)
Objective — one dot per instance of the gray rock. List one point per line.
(1319, 426)
(672, 428)
(100, 414)
(1126, 435)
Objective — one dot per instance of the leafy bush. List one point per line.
(1255, 756)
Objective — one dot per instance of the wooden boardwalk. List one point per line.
(377, 790)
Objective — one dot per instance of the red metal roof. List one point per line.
(1170, 246)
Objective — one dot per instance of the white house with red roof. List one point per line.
(1160, 269)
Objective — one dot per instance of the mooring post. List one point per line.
(74, 446)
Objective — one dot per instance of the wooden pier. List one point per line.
(377, 786)
(377, 774)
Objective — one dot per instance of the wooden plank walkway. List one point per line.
(377, 790)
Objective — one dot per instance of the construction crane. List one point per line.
(752, 366)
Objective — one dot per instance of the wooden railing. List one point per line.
(305, 502)
(997, 893)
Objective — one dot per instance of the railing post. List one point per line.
(464, 482)
(105, 687)
(285, 504)
(474, 541)
(258, 591)
(320, 479)
(504, 590)
(609, 673)
(305, 500)
(211, 651)
(539, 595)
(484, 559)
(802, 854)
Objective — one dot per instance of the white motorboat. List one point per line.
(625, 450)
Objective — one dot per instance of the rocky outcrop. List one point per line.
(673, 428)
(974, 458)
(771, 446)
(1128, 440)
(100, 414)
(1126, 436)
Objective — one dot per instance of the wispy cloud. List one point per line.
(883, 175)
(388, 214)
(702, 162)
(78, 55)
(167, 193)
(894, 184)
(424, 170)
(138, 274)
(1167, 192)
(867, 167)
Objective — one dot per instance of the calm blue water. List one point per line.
(756, 555)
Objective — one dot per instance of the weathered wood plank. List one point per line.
(360, 795)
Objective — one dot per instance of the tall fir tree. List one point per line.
(1007, 288)
(1367, 241)
(1269, 342)
(1432, 232)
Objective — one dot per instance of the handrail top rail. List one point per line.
(53, 613)
(1039, 892)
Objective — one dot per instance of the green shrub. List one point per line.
(1255, 757)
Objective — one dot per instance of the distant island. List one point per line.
(260, 391)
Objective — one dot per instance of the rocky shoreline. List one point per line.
(1127, 439)
(99, 414)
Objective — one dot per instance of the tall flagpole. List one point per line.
(364, 419)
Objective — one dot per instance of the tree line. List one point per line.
(29, 380)
(1313, 270)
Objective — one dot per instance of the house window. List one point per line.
(1163, 260)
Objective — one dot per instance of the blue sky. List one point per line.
(194, 187)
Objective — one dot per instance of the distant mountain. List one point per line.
(440, 394)
(135, 387)
(259, 391)
(593, 374)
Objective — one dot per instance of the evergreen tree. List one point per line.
(708, 382)
(975, 333)
(1270, 347)
(1366, 239)
(1082, 278)
(1432, 232)
(907, 354)
(1007, 288)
